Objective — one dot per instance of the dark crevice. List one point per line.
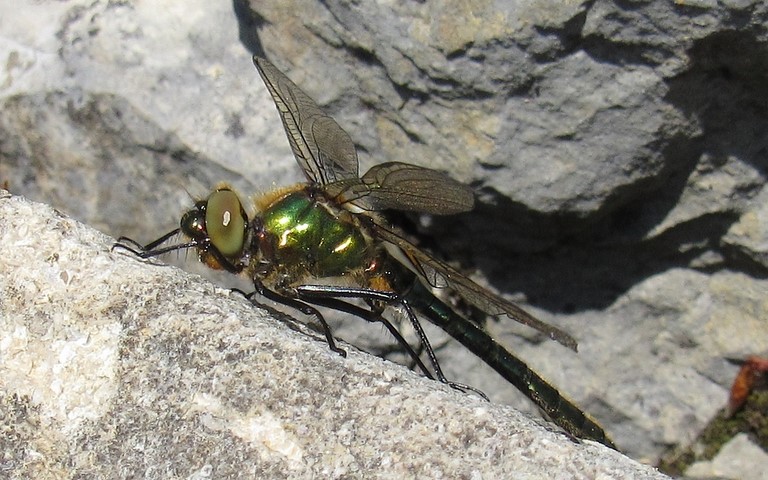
(364, 56)
(249, 22)
(569, 36)
(408, 94)
(448, 85)
(739, 261)
(633, 210)
(528, 87)
(606, 51)
(727, 90)
(460, 52)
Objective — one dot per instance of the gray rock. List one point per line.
(739, 458)
(113, 368)
(618, 152)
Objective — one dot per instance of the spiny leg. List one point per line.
(368, 315)
(373, 317)
(304, 308)
(313, 293)
(431, 353)
(148, 250)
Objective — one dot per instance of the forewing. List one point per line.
(324, 151)
(401, 186)
(441, 275)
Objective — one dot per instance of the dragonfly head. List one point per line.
(218, 225)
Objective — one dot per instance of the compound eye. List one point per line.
(225, 222)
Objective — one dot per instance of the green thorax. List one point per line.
(309, 236)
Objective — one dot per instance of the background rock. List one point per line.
(619, 153)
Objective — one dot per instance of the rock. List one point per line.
(739, 458)
(618, 154)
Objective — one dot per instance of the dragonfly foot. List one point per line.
(338, 350)
(467, 388)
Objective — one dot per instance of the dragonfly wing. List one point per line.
(441, 275)
(401, 186)
(324, 151)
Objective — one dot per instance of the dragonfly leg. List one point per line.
(151, 245)
(431, 354)
(124, 242)
(150, 250)
(372, 317)
(304, 308)
(328, 295)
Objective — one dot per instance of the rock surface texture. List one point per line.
(618, 151)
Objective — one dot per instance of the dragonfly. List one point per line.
(325, 243)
